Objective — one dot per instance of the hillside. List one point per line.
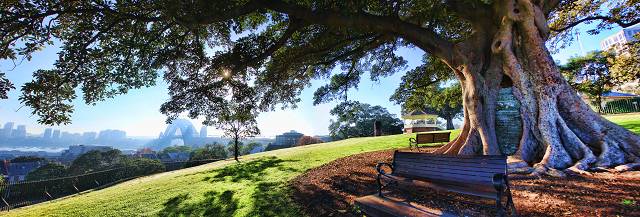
(256, 187)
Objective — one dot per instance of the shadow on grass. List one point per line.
(268, 198)
(253, 170)
(272, 199)
(213, 204)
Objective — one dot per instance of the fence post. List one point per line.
(5, 202)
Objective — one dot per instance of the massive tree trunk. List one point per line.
(559, 130)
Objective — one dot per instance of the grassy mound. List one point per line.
(256, 187)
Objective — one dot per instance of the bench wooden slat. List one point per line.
(452, 166)
(423, 138)
(429, 171)
(428, 175)
(375, 206)
(478, 190)
(429, 155)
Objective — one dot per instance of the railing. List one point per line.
(622, 106)
(24, 193)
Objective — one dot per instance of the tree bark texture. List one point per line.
(559, 130)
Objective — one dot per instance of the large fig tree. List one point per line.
(278, 46)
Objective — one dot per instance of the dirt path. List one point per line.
(329, 190)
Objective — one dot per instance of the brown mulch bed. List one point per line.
(330, 190)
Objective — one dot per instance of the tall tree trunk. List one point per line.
(559, 130)
(450, 123)
(235, 148)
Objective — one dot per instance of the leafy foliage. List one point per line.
(175, 149)
(422, 89)
(591, 74)
(564, 22)
(246, 149)
(209, 151)
(355, 119)
(47, 171)
(95, 161)
(23, 159)
(279, 46)
(626, 64)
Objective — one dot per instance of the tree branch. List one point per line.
(603, 18)
(421, 37)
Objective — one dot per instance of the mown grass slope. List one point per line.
(630, 121)
(255, 187)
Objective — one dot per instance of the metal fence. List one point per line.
(24, 193)
(622, 106)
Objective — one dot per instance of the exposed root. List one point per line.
(541, 170)
(627, 167)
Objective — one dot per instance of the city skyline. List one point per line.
(138, 114)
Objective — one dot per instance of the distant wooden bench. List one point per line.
(425, 138)
(483, 176)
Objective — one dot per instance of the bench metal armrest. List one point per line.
(413, 142)
(499, 182)
(381, 173)
(380, 170)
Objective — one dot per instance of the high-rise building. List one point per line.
(7, 130)
(619, 38)
(56, 134)
(203, 132)
(615, 42)
(20, 132)
(288, 139)
(89, 136)
(112, 135)
(47, 133)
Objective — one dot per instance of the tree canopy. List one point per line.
(430, 88)
(265, 52)
(355, 119)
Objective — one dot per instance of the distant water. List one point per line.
(32, 149)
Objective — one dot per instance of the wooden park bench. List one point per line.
(483, 176)
(425, 138)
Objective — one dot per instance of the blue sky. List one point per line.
(138, 111)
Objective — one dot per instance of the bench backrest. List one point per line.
(464, 174)
(422, 138)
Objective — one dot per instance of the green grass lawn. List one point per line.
(630, 121)
(256, 187)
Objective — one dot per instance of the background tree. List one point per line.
(626, 64)
(590, 74)
(140, 166)
(175, 149)
(423, 89)
(231, 147)
(47, 171)
(246, 149)
(238, 121)
(111, 47)
(209, 151)
(95, 161)
(307, 140)
(355, 119)
(23, 159)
